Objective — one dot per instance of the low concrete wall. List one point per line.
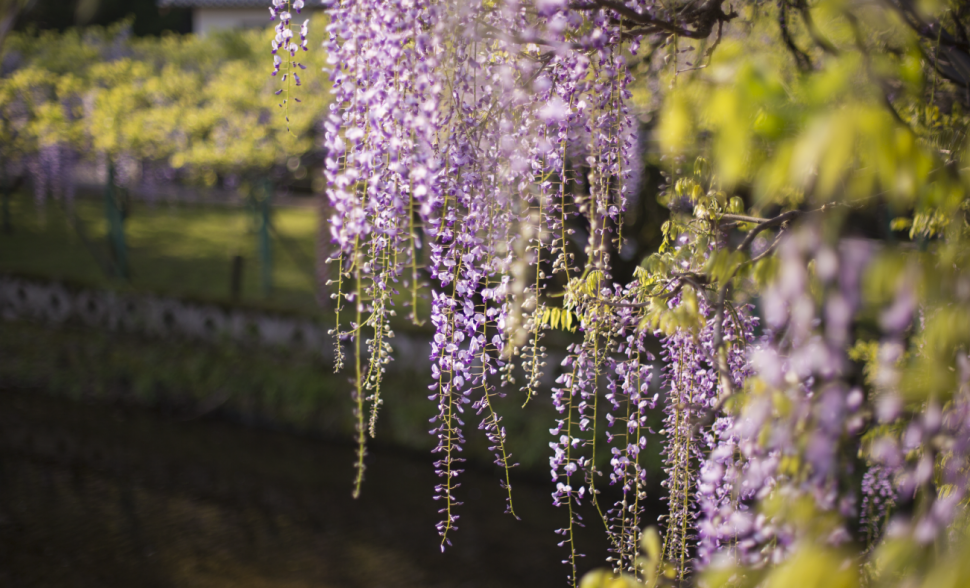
(52, 303)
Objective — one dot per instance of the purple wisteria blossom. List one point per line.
(285, 47)
(452, 142)
(629, 394)
(801, 359)
(52, 173)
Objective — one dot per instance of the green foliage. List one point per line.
(293, 392)
(760, 129)
(558, 318)
(290, 391)
(199, 103)
(649, 563)
(827, 135)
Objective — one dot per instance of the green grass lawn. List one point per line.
(174, 250)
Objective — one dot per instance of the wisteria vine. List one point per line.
(480, 161)
(284, 43)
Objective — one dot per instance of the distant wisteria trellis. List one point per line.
(52, 173)
(480, 160)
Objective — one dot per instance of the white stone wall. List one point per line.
(209, 19)
(169, 318)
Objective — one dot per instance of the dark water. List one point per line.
(95, 496)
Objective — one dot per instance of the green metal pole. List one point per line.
(116, 225)
(263, 208)
(7, 228)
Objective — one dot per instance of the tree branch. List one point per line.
(802, 59)
(704, 18)
(491, 32)
(819, 39)
(680, 279)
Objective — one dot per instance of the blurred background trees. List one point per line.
(146, 115)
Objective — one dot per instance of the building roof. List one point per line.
(215, 3)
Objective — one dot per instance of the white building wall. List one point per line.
(208, 19)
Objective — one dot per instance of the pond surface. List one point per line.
(103, 497)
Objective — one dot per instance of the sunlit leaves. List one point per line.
(823, 135)
(558, 318)
(676, 128)
(815, 567)
(196, 103)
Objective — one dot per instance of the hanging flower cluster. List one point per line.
(629, 377)
(456, 154)
(382, 172)
(284, 43)
(481, 156)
